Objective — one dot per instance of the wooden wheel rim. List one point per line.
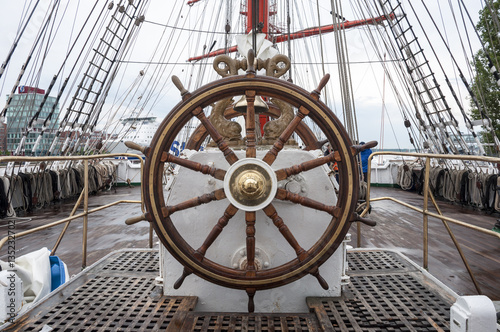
(182, 251)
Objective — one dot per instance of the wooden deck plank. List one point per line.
(315, 306)
(107, 229)
(179, 319)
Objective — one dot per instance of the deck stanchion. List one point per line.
(426, 210)
(85, 211)
(358, 234)
(4, 240)
(367, 200)
(150, 235)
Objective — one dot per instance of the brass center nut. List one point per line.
(251, 184)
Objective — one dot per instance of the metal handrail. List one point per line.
(83, 196)
(425, 211)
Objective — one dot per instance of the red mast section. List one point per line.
(261, 10)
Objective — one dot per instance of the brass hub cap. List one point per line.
(250, 184)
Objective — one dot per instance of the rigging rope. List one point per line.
(16, 41)
(466, 118)
(37, 40)
(472, 94)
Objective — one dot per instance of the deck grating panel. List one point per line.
(221, 322)
(397, 302)
(373, 261)
(134, 261)
(110, 303)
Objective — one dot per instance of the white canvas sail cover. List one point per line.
(264, 48)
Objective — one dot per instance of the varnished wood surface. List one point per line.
(271, 155)
(306, 135)
(400, 228)
(397, 228)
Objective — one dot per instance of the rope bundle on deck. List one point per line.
(27, 191)
(463, 186)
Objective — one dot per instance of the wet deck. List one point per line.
(398, 228)
(106, 229)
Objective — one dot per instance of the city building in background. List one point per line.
(21, 110)
(3, 137)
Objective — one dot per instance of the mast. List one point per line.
(258, 16)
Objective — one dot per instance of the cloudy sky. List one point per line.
(366, 70)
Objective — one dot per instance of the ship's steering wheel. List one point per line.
(250, 184)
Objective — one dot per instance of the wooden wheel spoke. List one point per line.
(321, 280)
(356, 149)
(283, 173)
(185, 273)
(216, 136)
(200, 253)
(285, 195)
(215, 232)
(250, 124)
(271, 155)
(251, 304)
(250, 243)
(193, 165)
(215, 195)
(271, 212)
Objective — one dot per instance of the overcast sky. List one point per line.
(367, 78)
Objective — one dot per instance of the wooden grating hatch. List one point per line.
(138, 261)
(116, 294)
(373, 261)
(383, 303)
(94, 307)
(386, 293)
(212, 322)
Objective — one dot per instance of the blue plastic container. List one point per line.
(57, 272)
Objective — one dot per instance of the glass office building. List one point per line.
(21, 110)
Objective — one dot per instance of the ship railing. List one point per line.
(428, 195)
(84, 196)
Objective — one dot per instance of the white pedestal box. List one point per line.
(272, 249)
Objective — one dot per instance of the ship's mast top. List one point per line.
(257, 16)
